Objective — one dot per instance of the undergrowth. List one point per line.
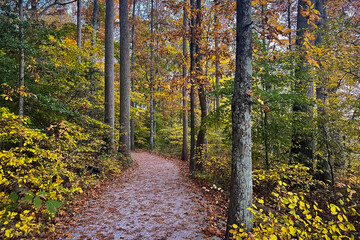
(41, 171)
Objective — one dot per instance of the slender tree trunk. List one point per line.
(152, 103)
(94, 23)
(217, 60)
(201, 91)
(185, 144)
(289, 22)
(192, 91)
(22, 62)
(124, 147)
(78, 24)
(132, 121)
(93, 60)
(241, 168)
(109, 72)
(302, 144)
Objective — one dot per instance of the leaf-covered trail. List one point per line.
(154, 202)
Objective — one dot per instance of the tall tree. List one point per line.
(109, 72)
(152, 102)
(185, 148)
(132, 121)
(200, 141)
(192, 90)
(94, 22)
(124, 147)
(323, 164)
(302, 144)
(241, 168)
(22, 61)
(78, 24)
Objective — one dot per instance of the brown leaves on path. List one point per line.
(156, 201)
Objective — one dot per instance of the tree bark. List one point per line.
(124, 147)
(109, 73)
(192, 91)
(152, 103)
(324, 164)
(241, 168)
(201, 90)
(185, 144)
(302, 144)
(21, 62)
(132, 121)
(78, 24)
(94, 23)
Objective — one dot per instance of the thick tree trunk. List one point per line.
(78, 24)
(302, 144)
(109, 73)
(132, 121)
(185, 144)
(152, 102)
(192, 91)
(241, 169)
(323, 164)
(22, 62)
(124, 147)
(201, 90)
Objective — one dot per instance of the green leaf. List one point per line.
(13, 196)
(29, 196)
(37, 201)
(51, 205)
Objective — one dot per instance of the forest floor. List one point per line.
(155, 200)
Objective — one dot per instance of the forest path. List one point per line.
(154, 202)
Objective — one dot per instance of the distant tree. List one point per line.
(22, 61)
(302, 143)
(78, 23)
(109, 72)
(192, 90)
(132, 121)
(124, 147)
(241, 168)
(152, 100)
(185, 147)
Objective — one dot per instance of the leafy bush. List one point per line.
(39, 172)
(292, 209)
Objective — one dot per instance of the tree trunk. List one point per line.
(109, 73)
(185, 150)
(78, 24)
(241, 168)
(132, 121)
(289, 22)
(201, 91)
(192, 91)
(22, 62)
(94, 23)
(302, 144)
(217, 60)
(152, 103)
(124, 147)
(323, 164)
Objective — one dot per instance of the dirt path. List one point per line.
(155, 202)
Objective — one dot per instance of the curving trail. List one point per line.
(154, 203)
